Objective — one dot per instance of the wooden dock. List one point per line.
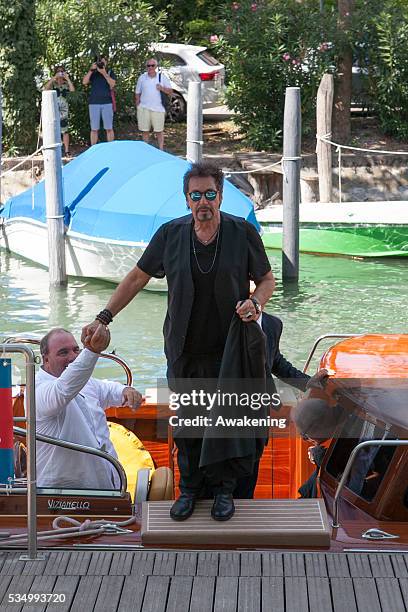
(164, 581)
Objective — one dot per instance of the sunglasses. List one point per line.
(209, 195)
(150, 65)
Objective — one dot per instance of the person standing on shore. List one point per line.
(208, 258)
(102, 81)
(150, 110)
(62, 84)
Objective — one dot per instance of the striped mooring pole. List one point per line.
(6, 423)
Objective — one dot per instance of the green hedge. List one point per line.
(18, 57)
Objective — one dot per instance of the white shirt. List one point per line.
(71, 408)
(149, 96)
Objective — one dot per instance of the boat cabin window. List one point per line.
(370, 464)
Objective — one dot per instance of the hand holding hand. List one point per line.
(131, 398)
(159, 87)
(99, 341)
(247, 311)
(95, 337)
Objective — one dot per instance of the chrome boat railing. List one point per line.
(31, 450)
(317, 342)
(347, 469)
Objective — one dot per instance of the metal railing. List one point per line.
(111, 356)
(31, 451)
(32, 436)
(82, 449)
(347, 469)
(317, 342)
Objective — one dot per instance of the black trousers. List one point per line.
(215, 478)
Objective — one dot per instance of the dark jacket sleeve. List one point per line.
(284, 370)
(279, 366)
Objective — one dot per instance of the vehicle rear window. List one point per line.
(170, 59)
(208, 58)
(371, 463)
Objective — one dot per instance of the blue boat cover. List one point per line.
(123, 190)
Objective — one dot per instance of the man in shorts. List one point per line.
(150, 110)
(102, 81)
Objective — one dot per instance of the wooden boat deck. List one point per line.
(163, 581)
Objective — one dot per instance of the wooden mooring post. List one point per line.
(194, 142)
(53, 188)
(324, 108)
(291, 184)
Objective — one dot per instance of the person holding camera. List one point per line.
(102, 81)
(62, 84)
(149, 103)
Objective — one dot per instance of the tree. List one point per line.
(73, 32)
(342, 92)
(191, 21)
(18, 55)
(266, 48)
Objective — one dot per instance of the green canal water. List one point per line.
(334, 295)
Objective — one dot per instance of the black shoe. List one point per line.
(223, 507)
(183, 507)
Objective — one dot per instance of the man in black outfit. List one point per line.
(209, 259)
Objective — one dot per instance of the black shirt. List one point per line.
(204, 332)
(204, 335)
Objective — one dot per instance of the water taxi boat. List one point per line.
(345, 549)
(341, 518)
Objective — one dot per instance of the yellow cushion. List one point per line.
(131, 453)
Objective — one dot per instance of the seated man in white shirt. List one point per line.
(70, 406)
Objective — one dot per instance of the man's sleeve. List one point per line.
(138, 89)
(53, 395)
(151, 262)
(258, 263)
(284, 370)
(110, 393)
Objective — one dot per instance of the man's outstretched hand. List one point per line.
(95, 337)
(131, 397)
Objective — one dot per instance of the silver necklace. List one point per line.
(205, 242)
(215, 254)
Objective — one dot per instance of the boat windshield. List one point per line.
(370, 464)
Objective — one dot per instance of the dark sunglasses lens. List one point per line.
(151, 65)
(196, 196)
(210, 194)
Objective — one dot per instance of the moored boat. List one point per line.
(355, 229)
(116, 196)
